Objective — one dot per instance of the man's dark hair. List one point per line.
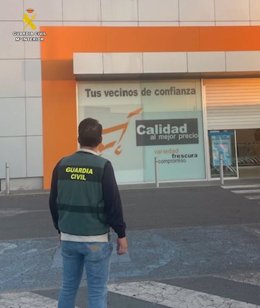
(89, 133)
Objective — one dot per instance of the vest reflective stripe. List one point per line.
(81, 209)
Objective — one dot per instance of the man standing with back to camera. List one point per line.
(84, 204)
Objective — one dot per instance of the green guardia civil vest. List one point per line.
(80, 198)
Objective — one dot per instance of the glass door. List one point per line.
(248, 152)
(222, 143)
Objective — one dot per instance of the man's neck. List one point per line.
(95, 149)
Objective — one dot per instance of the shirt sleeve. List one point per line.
(53, 197)
(112, 201)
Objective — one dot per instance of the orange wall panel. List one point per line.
(61, 42)
(59, 117)
(59, 85)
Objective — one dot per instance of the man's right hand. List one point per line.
(122, 246)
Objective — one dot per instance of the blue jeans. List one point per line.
(95, 257)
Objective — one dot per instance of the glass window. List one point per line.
(248, 152)
(144, 120)
(248, 147)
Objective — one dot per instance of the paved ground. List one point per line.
(189, 247)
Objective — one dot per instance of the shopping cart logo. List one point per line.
(116, 144)
(28, 19)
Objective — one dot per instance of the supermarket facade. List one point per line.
(178, 83)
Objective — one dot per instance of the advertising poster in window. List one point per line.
(221, 144)
(144, 120)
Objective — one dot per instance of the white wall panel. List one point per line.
(81, 10)
(206, 62)
(34, 156)
(232, 23)
(199, 10)
(11, 9)
(255, 9)
(154, 10)
(159, 23)
(118, 10)
(12, 117)
(33, 51)
(123, 63)
(166, 62)
(87, 63)
(45, 10)
(9, 47)
(12, 83)
(232, 10)
(82, 23)
(33, 78)
(197, 23)
(13, 152)
(120, 23)
(243, 61)
(34, 116)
